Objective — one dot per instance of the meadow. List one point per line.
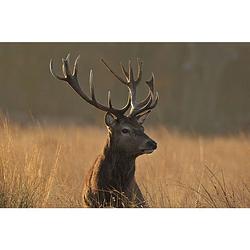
(45, 165)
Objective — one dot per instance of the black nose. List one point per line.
(151, 144)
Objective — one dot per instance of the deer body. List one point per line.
(111, 180)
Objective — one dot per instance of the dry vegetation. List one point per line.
(44, 166)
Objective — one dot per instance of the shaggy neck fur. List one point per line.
(117, 169)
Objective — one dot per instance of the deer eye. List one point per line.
(125, 131)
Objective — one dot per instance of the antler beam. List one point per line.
(72, 80)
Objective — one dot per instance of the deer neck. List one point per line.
(119, 166)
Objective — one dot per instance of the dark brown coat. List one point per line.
(111, 180)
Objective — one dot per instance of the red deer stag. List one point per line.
(111, 180)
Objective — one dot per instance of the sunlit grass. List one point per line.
(44, 166)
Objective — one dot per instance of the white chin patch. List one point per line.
(148, 151)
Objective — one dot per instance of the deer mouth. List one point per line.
(147, 151)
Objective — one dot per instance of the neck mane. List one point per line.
(117, 168)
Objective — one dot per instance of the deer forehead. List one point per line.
(132, 125)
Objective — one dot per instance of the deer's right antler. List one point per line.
(152, 98)
(72, 80)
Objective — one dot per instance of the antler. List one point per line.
(152, 98)
(72, 80)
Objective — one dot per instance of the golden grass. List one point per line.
(44, 166)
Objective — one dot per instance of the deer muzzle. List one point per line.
(150, 146)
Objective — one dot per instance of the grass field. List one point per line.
(44, 166)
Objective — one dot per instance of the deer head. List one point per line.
(125, 125)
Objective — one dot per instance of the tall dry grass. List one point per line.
(44, 166)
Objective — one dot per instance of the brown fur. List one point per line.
(111, 180)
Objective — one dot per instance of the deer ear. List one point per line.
(142, 117)
(110, 119)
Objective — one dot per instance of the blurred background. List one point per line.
(204, 87)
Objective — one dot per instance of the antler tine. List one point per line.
(65, 66)
(150, 83)
(139, 70)
(118, 77)
(149, 102)
(51, 68)
(124, 72)
(75, 69)
(91, 86)
(72, 80)
(131, 74)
